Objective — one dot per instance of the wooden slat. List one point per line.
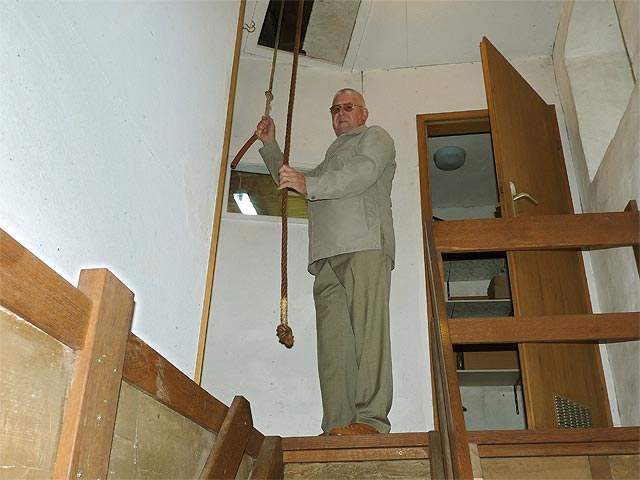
(632, 206)
(392, 446)
(475, 461)
(227, 452)
(269, 463)
(33, 291)
(147, 370)
(401, 440)
(575, 435)
(356, 455)
(542, 232)
(558, 449)
(436, 461)
(600, 467)
(546, 329)
(87, 430)
(451, 424)
(558, 442)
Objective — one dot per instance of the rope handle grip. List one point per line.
(244, 149)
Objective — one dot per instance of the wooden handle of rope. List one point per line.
(243, 150)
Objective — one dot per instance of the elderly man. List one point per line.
(351, 254)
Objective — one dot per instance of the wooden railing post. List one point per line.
(227, 452)
(451, 424)
(269, 463)
(90, 413)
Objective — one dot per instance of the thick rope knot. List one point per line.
(284, 332)
(285, 335)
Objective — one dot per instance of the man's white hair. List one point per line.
(351, 90)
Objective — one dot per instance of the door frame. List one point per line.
(435, 125)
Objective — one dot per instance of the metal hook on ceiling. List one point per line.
(250, 28)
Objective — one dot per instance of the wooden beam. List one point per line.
(356, 455)
(573, 435)
(542, 232)
(546, 329)
(451, 424)
(557, 442)
(85, 441)
(147, 370)
(632, 206)
(600, 467)
(436, 463)
(34, 292)
(559, 449)
(227, 452)
(337, 442)
(269, 463)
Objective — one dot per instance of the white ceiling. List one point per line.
(409, 33)
(390, 34)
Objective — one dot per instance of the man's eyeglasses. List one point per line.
(347, 107)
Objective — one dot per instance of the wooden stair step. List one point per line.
(394, 455)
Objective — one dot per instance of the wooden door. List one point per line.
(528, 153)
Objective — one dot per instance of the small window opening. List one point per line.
(264, 195)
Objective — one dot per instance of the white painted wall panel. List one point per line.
(112, 125)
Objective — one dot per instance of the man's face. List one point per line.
(344, 121)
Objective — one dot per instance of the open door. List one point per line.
(532, 180)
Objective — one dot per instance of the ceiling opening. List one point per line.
(289, 22)
(327, 26)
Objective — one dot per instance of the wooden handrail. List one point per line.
(36, 293)
(451, 424)
(147, 370)
(94, 320)
(543, 232)
(546, 329)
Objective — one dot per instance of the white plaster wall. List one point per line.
(598, 68)
(242, 355)
(615, 284)
(111, 135)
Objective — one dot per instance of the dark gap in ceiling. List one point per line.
(289, 22)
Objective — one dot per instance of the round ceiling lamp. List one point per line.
(449, 157)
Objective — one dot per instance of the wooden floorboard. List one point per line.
(496, 443)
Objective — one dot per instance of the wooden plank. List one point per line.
(475, 461)
(559, 449)
(622, 326)
(147, 370)
(217, 215)
(575, 435)
(541, 232)
(355, 454)
(227, 452)
(33, 291)
(600, 467)
(269, 463)
(401, 440)
(452, 428)
(632, 206)
(90, 413)
(435, 450)
(459, 127)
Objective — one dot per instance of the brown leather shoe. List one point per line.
(355, 429)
